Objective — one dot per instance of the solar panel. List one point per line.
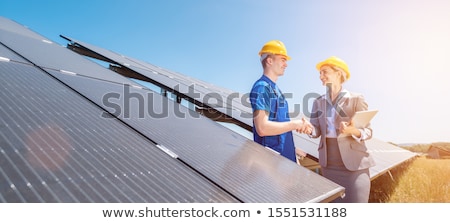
(387, 156)
(14, 27)
(55, 147)
(242, 168)
(180, 83)
(56, 57)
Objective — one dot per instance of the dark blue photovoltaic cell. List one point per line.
(56, 146)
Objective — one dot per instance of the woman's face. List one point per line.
(329, 75)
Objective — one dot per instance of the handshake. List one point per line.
(303, 126)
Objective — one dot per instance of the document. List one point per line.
(361, 119)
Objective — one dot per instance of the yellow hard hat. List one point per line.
(274, 47)
(335, 61)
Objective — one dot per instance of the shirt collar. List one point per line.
(344, 93)
(267, 79)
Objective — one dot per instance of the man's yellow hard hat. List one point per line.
(274, 47)
(335, 61)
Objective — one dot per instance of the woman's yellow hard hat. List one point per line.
(335, 61)
(274, 47)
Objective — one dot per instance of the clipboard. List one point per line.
(361, 119)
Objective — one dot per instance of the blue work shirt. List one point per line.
(265, 95)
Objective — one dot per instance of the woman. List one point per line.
(343, 155)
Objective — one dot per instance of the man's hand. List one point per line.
(304, 126)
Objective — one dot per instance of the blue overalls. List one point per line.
(265, 95)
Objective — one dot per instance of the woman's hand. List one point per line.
(349, 128)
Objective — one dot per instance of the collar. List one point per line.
(267, 79)
(344, 93)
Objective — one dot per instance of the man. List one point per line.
(272, 126)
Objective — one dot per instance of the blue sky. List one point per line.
(398, 51)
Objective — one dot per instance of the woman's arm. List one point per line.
(314, 120)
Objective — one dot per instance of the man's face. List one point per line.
(279, 64)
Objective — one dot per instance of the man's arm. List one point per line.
(265, 127)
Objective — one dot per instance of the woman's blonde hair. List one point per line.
(341, 71)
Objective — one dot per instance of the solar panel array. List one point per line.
(232, 104)
(73, 131)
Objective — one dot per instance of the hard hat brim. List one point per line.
(329, 63)
(266, 53)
